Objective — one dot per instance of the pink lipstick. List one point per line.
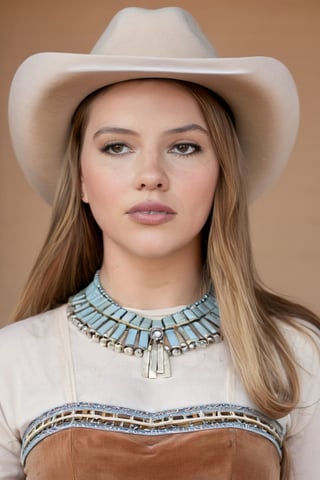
(151, 213)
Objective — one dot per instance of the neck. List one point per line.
(145, 283)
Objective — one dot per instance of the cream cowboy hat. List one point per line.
(142, 43)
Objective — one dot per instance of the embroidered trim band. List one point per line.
(126, 420)
(94, 313)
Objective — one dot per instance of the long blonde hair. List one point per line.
(250, 314)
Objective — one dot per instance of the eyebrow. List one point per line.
(117, 130)
(187, 128)
(126, 131)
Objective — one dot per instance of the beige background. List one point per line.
(285, 222)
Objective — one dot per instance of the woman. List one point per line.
(149, 149)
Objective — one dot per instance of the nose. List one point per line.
(150, 173)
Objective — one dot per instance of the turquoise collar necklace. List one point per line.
(94, 313)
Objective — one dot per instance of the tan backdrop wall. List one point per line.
(285, 222)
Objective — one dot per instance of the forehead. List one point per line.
(147, 96)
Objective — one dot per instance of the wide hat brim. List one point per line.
(48, 87)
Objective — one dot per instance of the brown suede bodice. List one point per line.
(218, 454)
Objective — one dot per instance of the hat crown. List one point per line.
(166, 32)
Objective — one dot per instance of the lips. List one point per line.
(149, 207)
(151, 213)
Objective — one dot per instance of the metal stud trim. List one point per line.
(139, 422)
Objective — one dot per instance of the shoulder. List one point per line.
(24, 333)
(304, 343)
(32, 365)
(303, 422)
(27, 349)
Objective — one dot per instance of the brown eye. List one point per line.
(116, 148)
(185, 148)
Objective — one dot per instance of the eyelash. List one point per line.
(196, 149)
(174, 149)
(107, 148)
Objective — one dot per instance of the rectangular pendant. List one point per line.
(156, 362)
(145, 363)
(154, 359)
(160, 360)
(166, 364)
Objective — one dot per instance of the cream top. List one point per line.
(46, 362)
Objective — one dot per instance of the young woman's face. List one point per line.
(149, 170)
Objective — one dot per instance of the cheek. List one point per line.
(97, 188)
(87, 177)
(204, 189)
(96, 181)
(89, 185)
(92, 173)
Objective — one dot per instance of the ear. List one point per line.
(84, 195)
